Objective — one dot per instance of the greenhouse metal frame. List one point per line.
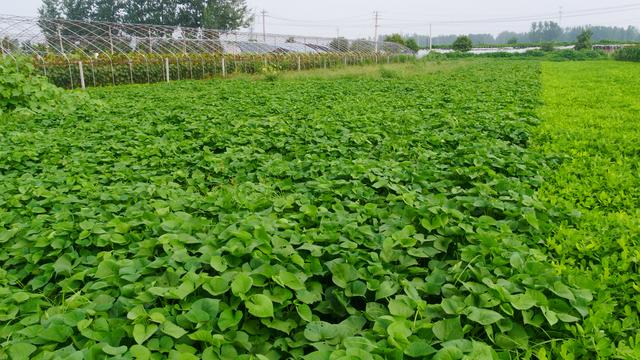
(76, 54)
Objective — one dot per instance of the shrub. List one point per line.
(628, 54)
(270, 73)
(573, 55)
(584, 40)
(412, 44)
(394, 38)
(463, 44)
(21, 89)
(548, 47)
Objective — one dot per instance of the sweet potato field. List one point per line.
(386, 216)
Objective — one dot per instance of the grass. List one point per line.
(591, 119)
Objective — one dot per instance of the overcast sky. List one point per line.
(354, 18)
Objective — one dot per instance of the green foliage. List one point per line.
(583, 41)
(573, 55)
(387, 73)
(628, 54)
(270, 73)
(23, 91)
(394, 38)
(150, 69)
(547, 47)
(213, 14)
(512, 41)
(547, 31)
(591, 134)
(291, 219)
(412, 44)
(462, 44)
(226, 14)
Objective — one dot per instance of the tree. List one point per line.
(339, 44)
(394, 38)
(50, 9)
(462, 44)
(77, 9)
(584, 40)
(512, 41)
(107, 10)
(547, 31)
(412, 44)
(212, 14)
(226, 15)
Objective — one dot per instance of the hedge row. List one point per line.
(628, 54)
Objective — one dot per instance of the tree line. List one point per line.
(210, 14)
(540, 32)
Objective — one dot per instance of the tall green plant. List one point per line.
(20, 88)
(462, 44)
(584, 40)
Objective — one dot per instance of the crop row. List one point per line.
(137, 69)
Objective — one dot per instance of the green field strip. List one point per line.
(591, 130)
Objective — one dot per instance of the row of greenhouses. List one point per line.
(77, 54)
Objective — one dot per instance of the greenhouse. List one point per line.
(77, 54)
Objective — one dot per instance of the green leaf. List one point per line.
(305, 312)
(172, 330)
(140, 352)
(241, 284)
(523, 301)
(142, 333)
(448, 329)
(260, 305)
(114, 351)
(419, 349)
(387, 288)
(400, 308)
(219, 264)
(532, 219)
(56, 333)
(203, 310)
(563, 291)
(216, 285)
(484, 316)
(448, 353)
(289, 280)
(21, 351)
(399, 333)
(343, 274)
(316, 331)
(229, 319)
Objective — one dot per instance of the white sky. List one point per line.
(354, 18)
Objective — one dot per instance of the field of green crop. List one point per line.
(592, 117)
(422, 211)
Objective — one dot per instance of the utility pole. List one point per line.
(430, 37)
(264, 26)
(560, 16)
(375, 30)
